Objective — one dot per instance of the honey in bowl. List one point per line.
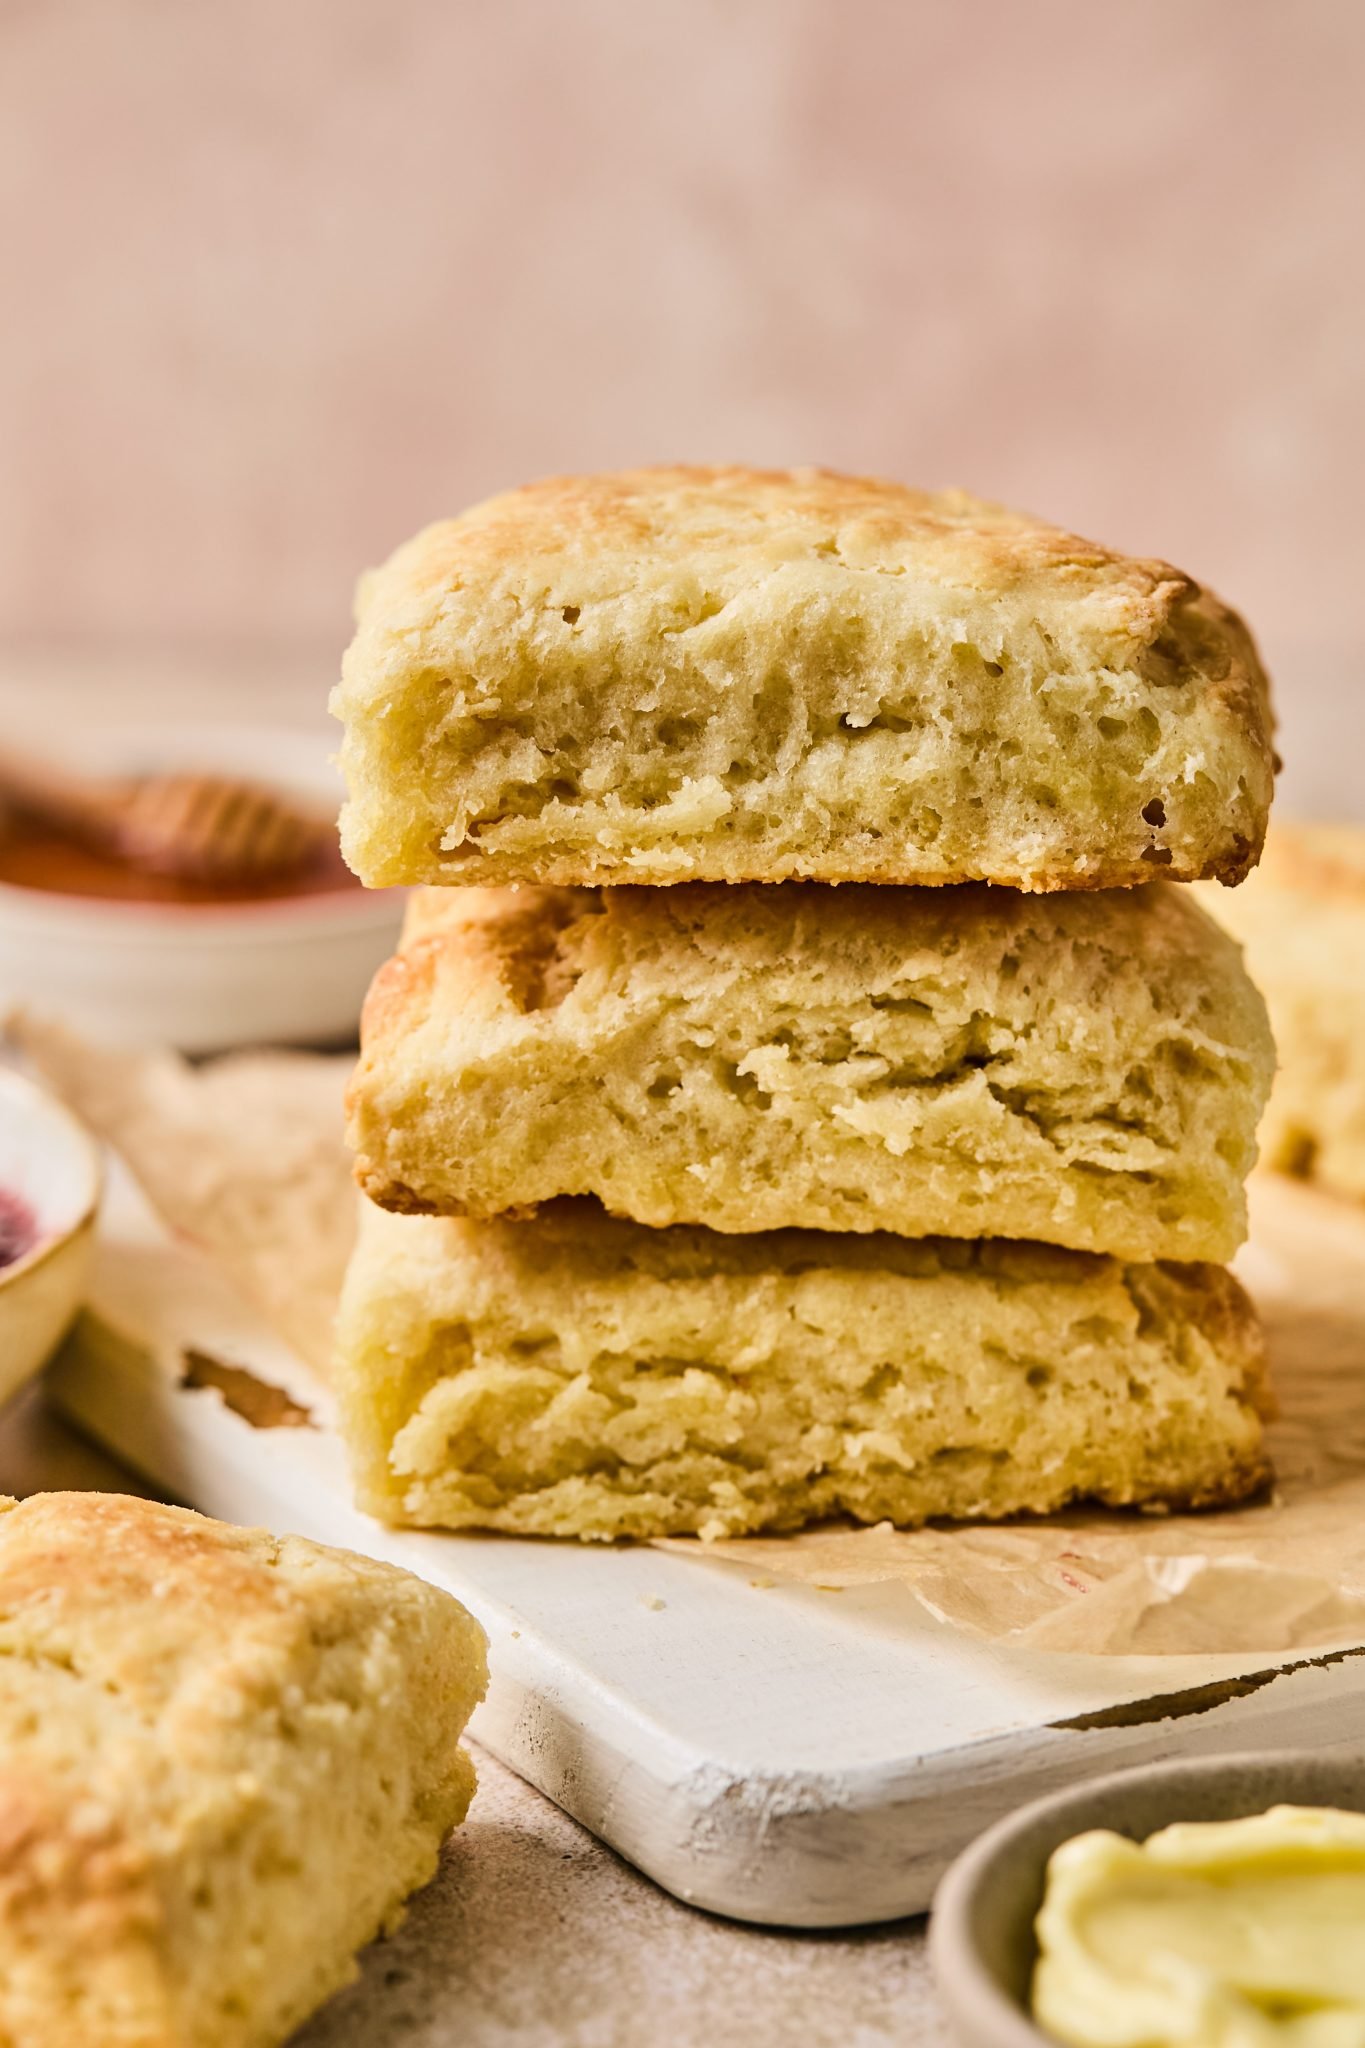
(34, 855)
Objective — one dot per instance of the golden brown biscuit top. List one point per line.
(750, 924)
(127, 1588)
(681, 514)
(155, 1609)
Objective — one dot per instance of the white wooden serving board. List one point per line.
(779, 1754)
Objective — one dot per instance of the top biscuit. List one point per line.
(741, 675)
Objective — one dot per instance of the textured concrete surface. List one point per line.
(533, 1935)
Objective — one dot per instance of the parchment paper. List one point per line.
(245, 1157)
(1285, 1574)
(242, 1156)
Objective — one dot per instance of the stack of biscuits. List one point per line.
(705, 1195)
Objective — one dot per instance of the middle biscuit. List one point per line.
(966, 1062)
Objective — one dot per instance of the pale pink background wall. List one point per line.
(284, 278)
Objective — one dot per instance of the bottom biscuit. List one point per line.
(575, 1375)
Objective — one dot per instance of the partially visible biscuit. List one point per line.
(1085, 1070)
(1302, 922)
(580, 1376)
(226, 1759)
(753, 675)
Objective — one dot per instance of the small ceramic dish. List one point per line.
(981, 1943)
(201, 977)
(50, 1178)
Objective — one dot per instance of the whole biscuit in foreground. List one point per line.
(970, 1062)
(580, 1376)
(755, 675)
(227, 1758)
(1303, 925)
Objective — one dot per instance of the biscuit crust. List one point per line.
(583, 1377)
(1085, 1070)
(227, 1758)
(750, 675)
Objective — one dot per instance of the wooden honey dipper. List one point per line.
(194, 827)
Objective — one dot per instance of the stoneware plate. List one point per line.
(50, 1177)
(981, 1941)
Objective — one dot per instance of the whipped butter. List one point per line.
(1216, 1934)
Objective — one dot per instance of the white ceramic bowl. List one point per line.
(50, 1164)
(981, 1942)
(292, 971)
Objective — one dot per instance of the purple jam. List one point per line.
(18, 1228)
